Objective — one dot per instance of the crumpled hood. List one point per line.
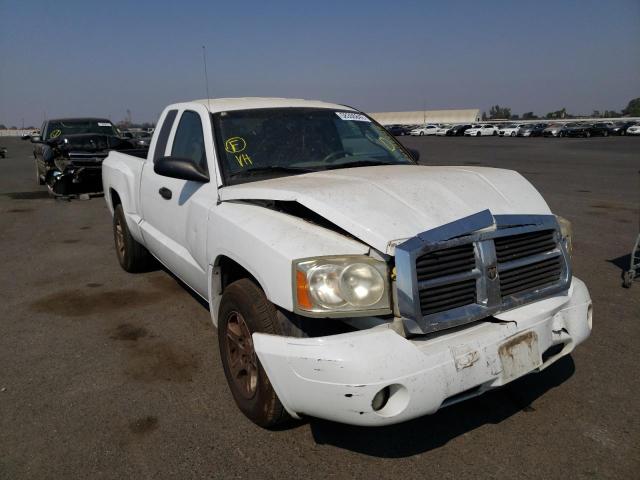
(384, 204)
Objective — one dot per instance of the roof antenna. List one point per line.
(206, 77)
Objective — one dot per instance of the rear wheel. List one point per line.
(39, 179)
(245, 310)
(133, 257)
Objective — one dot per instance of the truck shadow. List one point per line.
(430, 432)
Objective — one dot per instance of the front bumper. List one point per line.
(336, 377)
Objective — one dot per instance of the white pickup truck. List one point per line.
(346, 281)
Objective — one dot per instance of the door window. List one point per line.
(188, 142)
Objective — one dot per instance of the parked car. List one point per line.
(563, 132)
(457, 130)
(397, 130)
(589, 130)
(510, 130)
(3, 152)
(336, 292)
(69, 154)
(442, 130)
(141, 139)
(424, 130)
(126, 134)
(620, 128)
(481, 130)
(553, 130)
(532, 130)
(633, 130)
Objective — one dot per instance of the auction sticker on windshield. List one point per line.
(356, 117)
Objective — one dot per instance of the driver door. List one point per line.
(175, 211)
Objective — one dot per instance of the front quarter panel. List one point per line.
(265, 242)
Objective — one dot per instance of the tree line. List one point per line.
(497, 112)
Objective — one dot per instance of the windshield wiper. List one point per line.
(270, 169)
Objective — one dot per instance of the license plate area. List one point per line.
(519, 356)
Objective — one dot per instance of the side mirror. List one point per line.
(414, 153)
(180, 168)
(34, 138)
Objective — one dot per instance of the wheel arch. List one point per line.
(222, 272)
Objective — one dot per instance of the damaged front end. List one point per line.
(73, 163)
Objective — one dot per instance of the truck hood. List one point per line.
(382, 205)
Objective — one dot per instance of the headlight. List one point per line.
(567, 232)
(341, 285)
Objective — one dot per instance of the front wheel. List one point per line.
(245, 310)
(605, 134)
(39, 179)
(133, 257)
(478, 134)
(513, 134)
(421, 134)
(587, 134)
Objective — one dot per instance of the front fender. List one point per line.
(265, 242)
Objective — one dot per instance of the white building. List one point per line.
(427, 116)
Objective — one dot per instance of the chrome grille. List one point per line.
(438, 290)
(479, 266)
(530, 277)
(445, 297)
(445, 262)
(524, 245)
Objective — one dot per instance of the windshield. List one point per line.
(276, 141)
(71, 127)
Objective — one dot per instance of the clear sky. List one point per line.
(85, 57)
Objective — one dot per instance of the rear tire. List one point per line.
(133, 257)
(245, 310)
(39, 179)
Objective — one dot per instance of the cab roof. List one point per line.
(247, 103)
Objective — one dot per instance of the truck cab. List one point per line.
(346, 281)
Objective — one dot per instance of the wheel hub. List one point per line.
(243, 363)
(119, 239)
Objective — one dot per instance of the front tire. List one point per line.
(133, 257)
(244, 310)
(421, 134)
(587, 134)
(478, 134)
(39, 179)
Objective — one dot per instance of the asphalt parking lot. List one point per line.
(110, 375)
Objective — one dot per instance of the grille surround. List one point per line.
(499, 243)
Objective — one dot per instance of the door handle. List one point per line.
(165, 193)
